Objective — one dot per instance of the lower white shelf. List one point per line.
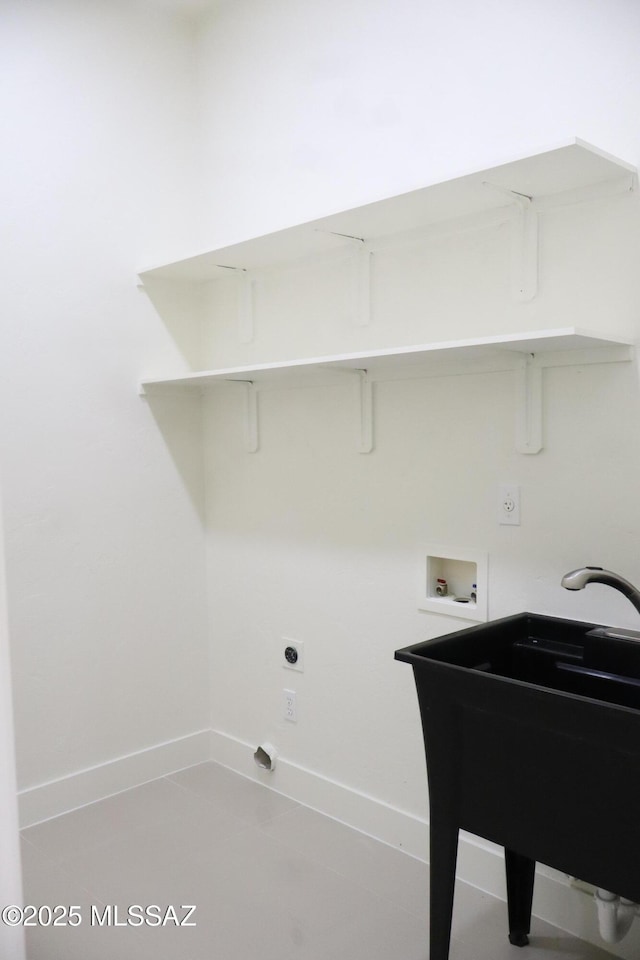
(557, 345)
(526, 353)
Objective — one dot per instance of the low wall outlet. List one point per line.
(290, 707)
(509, 504)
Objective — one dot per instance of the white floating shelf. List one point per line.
(527, 353)
(573, 169)
(550, 347)
(516, 191)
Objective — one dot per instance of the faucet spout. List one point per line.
(578, 580)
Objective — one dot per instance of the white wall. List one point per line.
(311, 108)
(309, 540)
(305, 109)
(11, 938)
(103, 525)
(308, 108)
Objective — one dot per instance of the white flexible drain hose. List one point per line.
(615, 915)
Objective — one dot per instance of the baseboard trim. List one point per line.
(48, 800)
(358, 810)
(480, 863)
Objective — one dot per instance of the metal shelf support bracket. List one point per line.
(252, 432)
(246, 327)
(361, 278)
(524, 242)
(528, 406)
(365, 412)
(362, 312)
(524, 250)
(246, 283)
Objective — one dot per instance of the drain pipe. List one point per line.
(266, 756)
(615, 915)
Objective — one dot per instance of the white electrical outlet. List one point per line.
(509, 504)
(292, 654)
(290, 706)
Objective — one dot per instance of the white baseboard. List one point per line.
(95, 783)
(480, 863)
(334, 799)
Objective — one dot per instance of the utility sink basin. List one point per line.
(531, 727)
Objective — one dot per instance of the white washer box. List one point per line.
(465, 573)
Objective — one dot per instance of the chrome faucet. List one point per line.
(578, 579)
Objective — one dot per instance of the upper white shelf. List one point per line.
(573, 167)
(565, 345)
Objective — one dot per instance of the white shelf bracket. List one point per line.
(524, 243)
(524, 250)
(246, 328)
(252, 434)
(529, 406)
(362, 293)
(361, 279)
(365, 412)
(245, 302)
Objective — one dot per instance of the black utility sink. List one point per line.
(532, 736)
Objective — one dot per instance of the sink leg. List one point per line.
(520, 876)
(443, 855)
